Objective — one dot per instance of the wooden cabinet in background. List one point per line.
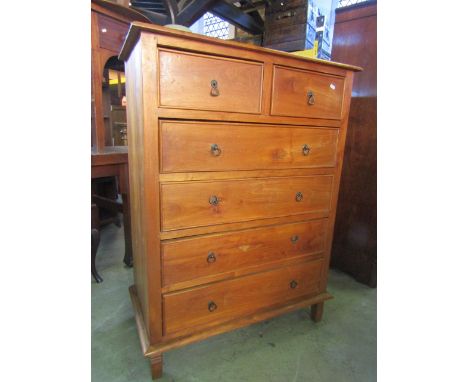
(233, 186)
(109, 25)
(355, 240)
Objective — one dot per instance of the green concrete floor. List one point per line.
(341, 348)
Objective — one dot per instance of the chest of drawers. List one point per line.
(235, 155)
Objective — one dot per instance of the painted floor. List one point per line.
(289, 348)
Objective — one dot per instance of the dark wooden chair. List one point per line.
(95, 238)
(105, 209)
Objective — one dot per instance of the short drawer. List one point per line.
(200, 146)
(195, 204)
(111, 33)
(195, 81)
(301, 93)
(219, 302)
(226, 253)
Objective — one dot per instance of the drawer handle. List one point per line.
(293, 284)
(214, 88)
(294, 239)
(306, 149)
(214, 201)
(310, 97)
(212, 306)
(299, 196)
(215, 150)
(211, 257)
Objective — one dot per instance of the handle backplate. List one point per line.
(211, 257)
(212, 306)
(214, 88)
(215, 150)
(214, 201)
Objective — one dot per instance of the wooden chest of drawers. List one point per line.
(235, 155)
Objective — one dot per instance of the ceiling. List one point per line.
(242, 13)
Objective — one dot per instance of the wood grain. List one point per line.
(111, 33)
(241, 296)
(226, 253)
(187, 147)
(216, 225)
(185, 82)
(290, 88)
(185, 205)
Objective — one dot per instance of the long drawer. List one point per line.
(301, 93)
(206, 146)
(219, 302)
(195, 81)
(196, 204)
(226, 253)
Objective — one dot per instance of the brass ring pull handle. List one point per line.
(214, 201)
(211, 257)
(214, 88)
(212, 306)
(310, 97)
(293, 284)
(306, 149)
(299, 196)
(215, 150)
(294, 239)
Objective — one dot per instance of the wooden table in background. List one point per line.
(113, 161)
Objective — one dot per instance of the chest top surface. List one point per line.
(138, 27)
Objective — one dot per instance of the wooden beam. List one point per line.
(154, 17)
(193, 11)
(235, 16)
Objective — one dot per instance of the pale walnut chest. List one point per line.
(235, 155)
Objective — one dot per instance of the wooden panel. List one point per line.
(355, 241)
(286, 33)
(185, 82)
(144, 188)
(290, 89)
(185, 205)
(278, 6)
(111, 33)
(226, 253)
(241, 296)
(213, 146)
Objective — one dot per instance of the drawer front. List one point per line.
(300, 93)
(222, 146)
(189, 259)
(195, 204)
(219, 302)
(193, 81)
(111, 33)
